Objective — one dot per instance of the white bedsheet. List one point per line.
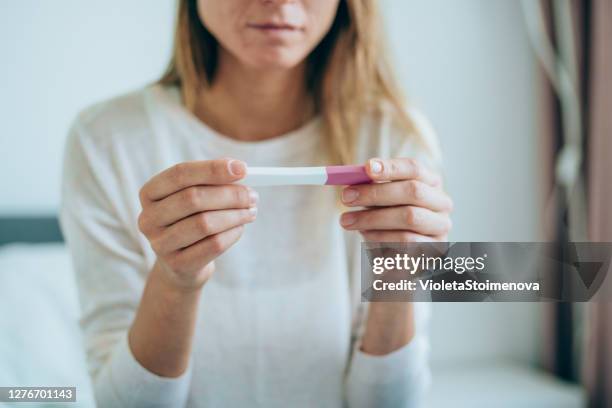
(40, 342)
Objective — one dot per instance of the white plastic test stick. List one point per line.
(284, 176)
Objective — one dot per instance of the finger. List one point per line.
(199, 226)
(417, 219)
(405, 192)
(196, 199)
(395, 236)
(204, 251)
(187, 174)
(401, 169)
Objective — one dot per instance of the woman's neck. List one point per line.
(248, 104)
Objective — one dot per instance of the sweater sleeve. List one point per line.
(398, 379)
(110, 271)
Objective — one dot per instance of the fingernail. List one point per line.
(253, 212)
(253, 197)
(376, 166)
(236, 167)
(349, 195)
(348, 219)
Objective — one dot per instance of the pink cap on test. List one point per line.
(346, 175)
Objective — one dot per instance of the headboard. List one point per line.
(31, 229)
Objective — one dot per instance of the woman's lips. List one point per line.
(274, 27)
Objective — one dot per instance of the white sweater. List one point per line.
(279, 322)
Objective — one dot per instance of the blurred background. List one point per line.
(470, 65)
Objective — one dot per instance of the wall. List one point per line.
(469, 66)
(58, 57)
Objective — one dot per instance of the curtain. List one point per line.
(598, 361)
(573, 40)
(555, 29)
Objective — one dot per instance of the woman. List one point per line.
(193, 297)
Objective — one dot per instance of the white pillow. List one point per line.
(40, 340)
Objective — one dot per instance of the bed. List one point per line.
(40, 344)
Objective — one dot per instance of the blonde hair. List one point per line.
(348, 74)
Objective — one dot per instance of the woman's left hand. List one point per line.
(406, 203)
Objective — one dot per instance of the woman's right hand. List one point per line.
(191, 214)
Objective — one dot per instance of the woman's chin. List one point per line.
(275, 59)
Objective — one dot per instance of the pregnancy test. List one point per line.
(304, 176)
